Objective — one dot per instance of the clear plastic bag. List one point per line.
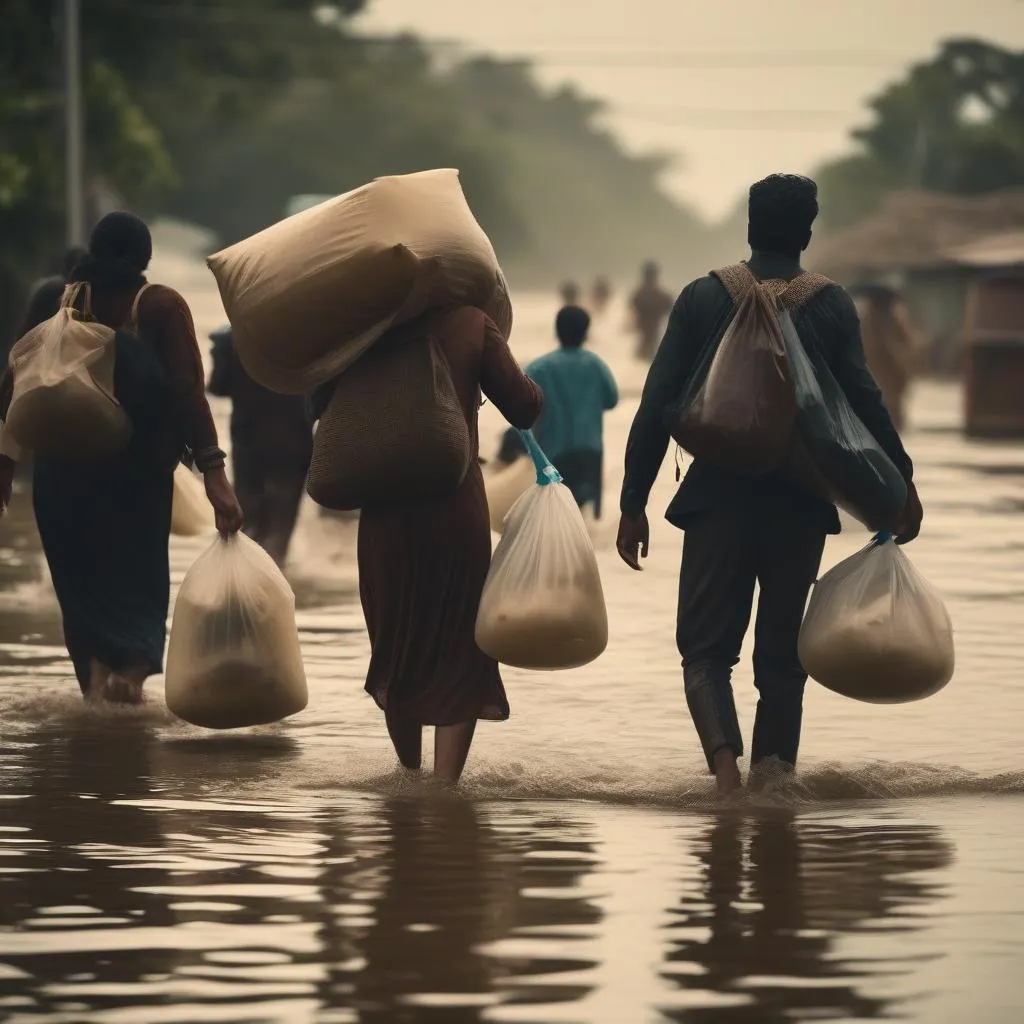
(505, 487)
(543, 605)
(838, 457)
(234, 659)
(738, 410)
(876, 630)
(63, 404)
(191, 512)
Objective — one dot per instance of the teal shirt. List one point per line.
(578, 389)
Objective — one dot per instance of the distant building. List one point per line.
(931, 244)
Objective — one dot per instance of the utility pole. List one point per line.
(74, 141)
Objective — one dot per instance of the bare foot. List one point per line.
(727, 772)
(122, 690)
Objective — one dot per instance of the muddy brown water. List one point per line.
(155, 872)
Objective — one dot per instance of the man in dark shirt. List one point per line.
(271, 446)
(741, 530)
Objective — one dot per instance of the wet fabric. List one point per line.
(725, 553)
(583, 473)
(578, 390)
(422, 564)
(270, 492)
(105, 525)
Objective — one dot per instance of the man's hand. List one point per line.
(909, 525)
(633, 540)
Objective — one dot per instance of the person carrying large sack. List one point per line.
(747, 518)
(108, 396)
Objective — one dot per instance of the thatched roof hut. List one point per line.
(1001, 251)
(917, 231)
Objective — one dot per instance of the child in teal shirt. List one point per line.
(578, 390)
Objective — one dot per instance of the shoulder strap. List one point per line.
(133, 317)
(802, 289)
(737, 279)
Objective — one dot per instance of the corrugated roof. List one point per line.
(915, 230)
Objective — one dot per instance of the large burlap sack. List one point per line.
(505, 486)
(393, 430)
(191, 511)
(738, 409)
(543, 605)
(876, 630)
(63, 404)
(307, 296)
(233, 659)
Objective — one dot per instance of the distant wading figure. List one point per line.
(650, 304)
(271, 445)
(578, 390)
(422, 566)
(105, 523)
(890, 343)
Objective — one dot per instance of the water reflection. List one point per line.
(80, 867)
(422, 895)
(760, 938)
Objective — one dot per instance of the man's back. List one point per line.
(829, 327)
(578, 389)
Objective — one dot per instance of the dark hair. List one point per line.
(120, 248)
(571, 326)
(782, 209)
(570, 291)
(651, 269)
(72, 257)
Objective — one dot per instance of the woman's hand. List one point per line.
(227, 511)
(7, 468)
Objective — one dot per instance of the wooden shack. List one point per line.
(992, 339)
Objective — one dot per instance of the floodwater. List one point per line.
(154, 872)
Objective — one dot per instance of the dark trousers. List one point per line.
(725, 552)
(270, 495)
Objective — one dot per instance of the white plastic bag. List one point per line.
(63, 403)
(504, 487)
(542, 605)
(308, 295)
(234, 658)
(876, 630)
(191, 512)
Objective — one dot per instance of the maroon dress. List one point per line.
(422, 564)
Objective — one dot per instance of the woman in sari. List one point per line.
(105, 524)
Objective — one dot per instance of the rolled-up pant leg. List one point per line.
(716, 593)
(789, 557)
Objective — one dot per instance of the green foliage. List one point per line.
(953, 124)
(217, 111)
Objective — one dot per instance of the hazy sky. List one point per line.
(819, 62)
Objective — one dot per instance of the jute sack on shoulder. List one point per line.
(309, 295)
(393, 430)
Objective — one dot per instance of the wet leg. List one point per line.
(716, 591)
(451, 749)
(124, 686)
(789, 558)
(407, 738)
